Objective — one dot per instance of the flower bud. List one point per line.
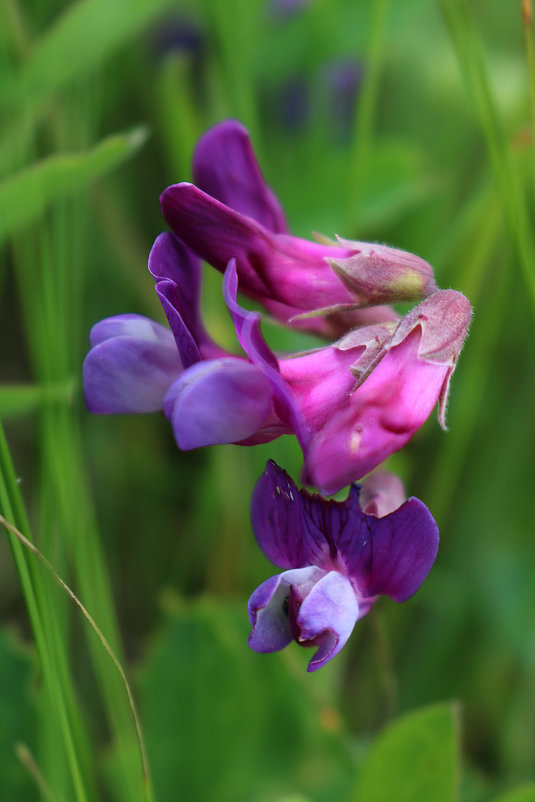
(377, 274)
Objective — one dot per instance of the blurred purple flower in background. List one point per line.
(286, 8)
(338, 560)
(343, 79)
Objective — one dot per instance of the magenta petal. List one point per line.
(380, 417)
(218, 401)
(130, 367)
(225, 167)
(327, 615)
(321, 381)
(280, 267)
(216, 232)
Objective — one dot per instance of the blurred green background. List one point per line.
(406, 123)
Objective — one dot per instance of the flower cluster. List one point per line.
(350, 403)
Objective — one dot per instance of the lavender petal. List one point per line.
(327, 616)
(129, 372)
(217, 401)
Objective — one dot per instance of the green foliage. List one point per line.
(416, 758)
(17, 718)
(224, 722)
(19, 400)
(26, 195)
(430, 158)
(525, 794)
(84, 36)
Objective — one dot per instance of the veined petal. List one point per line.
(391, 555)
(218, 401)
(130, 367)
(327, 616)
(285, 532)
(225, 167)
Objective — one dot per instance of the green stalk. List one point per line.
(527, 19)
(469, 53)
(67, 517)
(476, 362)
(13, 508)
(234, 28)
(30, 546)
(365, 111)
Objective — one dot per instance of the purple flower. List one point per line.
(232, 214)
(337, 560)
(350, 404)
(210, 395)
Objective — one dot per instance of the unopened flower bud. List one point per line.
(377, 274)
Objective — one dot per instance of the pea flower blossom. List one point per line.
(230, 213)
(337, 560)
(350, 404)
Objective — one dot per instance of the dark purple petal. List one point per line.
(218, 401)
(178, 284)
(216, 232)
(130, 367)
(327, 616)
(390, 555)
(225, 167)
(280, 523)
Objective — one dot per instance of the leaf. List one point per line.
(414, 759)
(524, 794)
(24, 196)
(17, 718)
(81, 39)
(222, 722)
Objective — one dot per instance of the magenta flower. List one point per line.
(398, 396)
(337, 560)
(232, 214)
